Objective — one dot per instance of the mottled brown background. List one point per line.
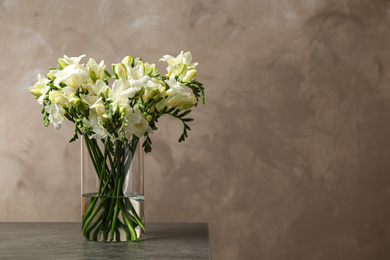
(288, 160)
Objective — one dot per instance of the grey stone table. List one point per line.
(65, 241)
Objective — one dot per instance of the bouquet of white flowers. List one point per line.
(115, 118)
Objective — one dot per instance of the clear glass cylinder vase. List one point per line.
(112, 189)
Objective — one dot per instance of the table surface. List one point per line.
(65, 241)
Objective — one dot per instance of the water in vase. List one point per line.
(113, 219)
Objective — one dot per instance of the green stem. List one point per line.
(102, 179)
(90, 228)
(126, 221)
(118, 186)
(89, 219)
(110, 167)
(91, 205)
(125, 228)
(107, 210)
(88, 145)
(136, 218)
(113, 225)
(106, 184)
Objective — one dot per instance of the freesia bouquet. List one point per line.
(113, 119)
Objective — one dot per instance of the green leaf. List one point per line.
(113, 71)
(184, 113)
(176, 112)
(108, 75)
(147, 145)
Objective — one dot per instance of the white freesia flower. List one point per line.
(81, 94)
(120, 85)
(98, 69)
(123, 89)
(99, 107)
(121, 92)
(72, 75)
(98, 87)
(58, 97)
(150, 86)
(96, 123)
(94, 100)
(73, 60)
(56, 115)
(136, 123)
(138, 84)
(40, 88)
(130, 68)
(180, 66)
(69, 93)
(137, 72)
(178, 96)
(150, 69)
(89, 99)
(186, 58)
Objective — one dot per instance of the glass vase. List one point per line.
(112, 189)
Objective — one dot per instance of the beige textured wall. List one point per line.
(288, 160)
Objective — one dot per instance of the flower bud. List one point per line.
(62, 64)
(35, 92)
(181, 69)
(50, 76)
(122, 110)
(186, 106)
(77, 102)
(189, 75)
(92, 74)
(148, 118)
(129, 60)
(120, 70)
